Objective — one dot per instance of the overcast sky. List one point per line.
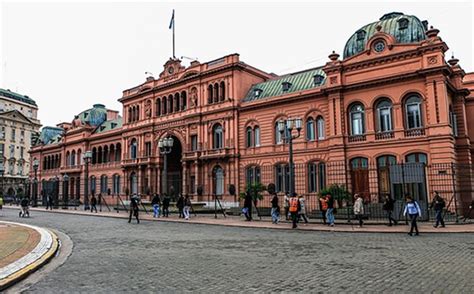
(68, 56)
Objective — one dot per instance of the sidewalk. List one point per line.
(23, 249)
(236, 221)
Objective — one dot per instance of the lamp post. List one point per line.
(65, 191)
(2, 172)
(165, 145)
(87, 159)
(35, 183)
(27, 188)
(56, 191)
(286, 127)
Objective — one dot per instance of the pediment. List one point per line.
(16, 115)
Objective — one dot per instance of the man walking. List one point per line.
(414, 211)
(388, 205)
(438, 204)
(155, 203)
(166, 206)
(330, 211)
(187, 207)
(49, 202)
(93, 203)
(134, 208)
(180, 205)
(294, 209)
(302, 211)
(275, 209)
(248, 206)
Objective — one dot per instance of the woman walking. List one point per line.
(414, 211)
(275, 209)
(187, 207)
(359, 209)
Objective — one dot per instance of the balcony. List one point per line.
(104, 165)
(415, 132)
(357, 138)
(71, 168)
(384, 135)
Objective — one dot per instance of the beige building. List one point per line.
(18, 125)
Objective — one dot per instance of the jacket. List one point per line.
(412, 208)
(248, 200)
(438, 203)
(275, 202)
(187, 202)
(180, 202)
(359, 206)
(388, 204)
(155, 200)
(302, 205)
(166, 201)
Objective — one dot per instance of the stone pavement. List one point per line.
(23, 249)
(265, 222)
(111, 256)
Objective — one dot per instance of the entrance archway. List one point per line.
(174, 178)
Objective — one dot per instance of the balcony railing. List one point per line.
(415, 132)
(384, 135)
(357, 138)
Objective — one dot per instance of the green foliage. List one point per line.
(255, 190)
(337, 191)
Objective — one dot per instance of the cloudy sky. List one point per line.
(68, 56)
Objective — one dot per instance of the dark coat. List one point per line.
(388, 204)
(275, 201)
(248, 200)
(180, 202)
(93, 201)
(155, 200)
(166, 201)
(438, 203)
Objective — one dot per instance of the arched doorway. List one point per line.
(174, 174)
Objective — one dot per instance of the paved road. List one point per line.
(110, 255)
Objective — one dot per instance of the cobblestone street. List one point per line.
(110, 255)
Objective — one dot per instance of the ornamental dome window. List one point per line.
(285, 86)
(403, 23)
(318, 80)
(257, 92)
(361, 35)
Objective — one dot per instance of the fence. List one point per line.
(372, 182)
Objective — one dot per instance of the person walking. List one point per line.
(180, 205)
(25, 201)
(323, 204)
(413, 209)
(388, 205)
(155, 203)
(286, 205)
(166, 206)
(294, 209)
(49, 202)
(438, 204)
(330, 211)
(302, 211)
(187, 207)
(275, 209)
(134, 201)
(93, 203)
(248, 206)
(359, 209)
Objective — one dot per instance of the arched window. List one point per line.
(216, 93)
(94, 155)
(256, 133)
(356, 114)
(133, 149)
(417, 158)
(93, 185)
(118, 152)
(170, 104)
(217, 134)
(249, 137)
(68, 158)
(359, 163)
(129, 114)
(99, 154)
(222, 91)
(310, 129)
(385, 169)
(103, 184)
(252, 175)
(164, 108)
(386, 160)
(453, 121)
(320, 128)
(210, 94)
(316, 176)
(73, 157)
(176, 102)
(282, 177)
(158, 106)
(138, 113)
(184, 100)
(79, 157)
(413, 112)
(384, 116)
(218, 175)
(116, 184)
(111, 156)
(105, 156)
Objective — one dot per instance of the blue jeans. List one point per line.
(275, 215)
(330, 216)
(156, 210)
(439, 217)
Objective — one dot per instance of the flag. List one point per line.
(172, 21)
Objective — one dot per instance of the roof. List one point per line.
(390, 23)
(109, 125)
(299, 81)
(50, 135)
(12, 95)
(94, 116)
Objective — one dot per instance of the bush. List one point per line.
(337, 191)
(255, 190)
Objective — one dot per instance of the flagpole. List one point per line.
(174, 57)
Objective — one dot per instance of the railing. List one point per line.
(357, 138)
(384, 135)
(415, 132)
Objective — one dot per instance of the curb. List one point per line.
(32, 267)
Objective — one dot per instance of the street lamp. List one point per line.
(56, 191)
(35, 183)
(285, 128)
(2, 172)
(165, 145)
(65, 191)
(87, 159)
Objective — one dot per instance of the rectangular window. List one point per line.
(312, 178)
(12, 150)
(13, 134)
(282, 178)
(192, 184)
(257, 136)
(194, 143)
(22, 135)
(22, 150)
(2, 149)
(2, 133)
(413, 116)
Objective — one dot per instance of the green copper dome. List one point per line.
(405, 29)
